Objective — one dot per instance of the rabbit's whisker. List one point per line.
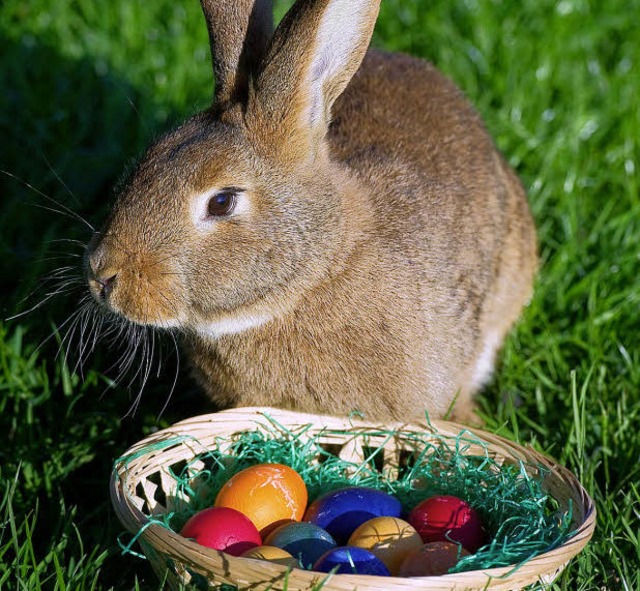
(64, 211)
(148, 358)
(141, 338)
(175, 377)
(78, 243)
(137, 341)
(72, 216)
(133, 106)
(98, 323)
(61, 270)
(58, 256)
(41, 303)
(74, 255)
(125, 361)
(59, 178)
(65, 344)
(56, 331)
(64, 289)
(80, 345)
(147, 354)
(52, 283)
(85, 338)
(119, 328)
(62, 282)
(80, 315)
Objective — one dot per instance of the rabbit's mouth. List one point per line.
(101, 286)
(137, 289)
(141, 304)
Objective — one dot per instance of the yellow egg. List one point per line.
(389, 538)
(272, 554)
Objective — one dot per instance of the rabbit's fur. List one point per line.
(380, 247)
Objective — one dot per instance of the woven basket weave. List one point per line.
(142, 485)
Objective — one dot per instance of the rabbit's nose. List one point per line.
(105, 284)
(102, 276)
(102, 284)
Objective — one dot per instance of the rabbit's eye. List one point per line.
(221, 203)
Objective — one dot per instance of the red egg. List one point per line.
(446, 518)
(222, 528)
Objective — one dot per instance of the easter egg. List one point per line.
(433, 559)
(389, 538)
(271, 554)
(222, 529)
(445, 518)
(351, 560)
(304, 541)
(341, 511)
(266, 494)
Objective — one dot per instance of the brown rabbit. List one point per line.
(337, 233)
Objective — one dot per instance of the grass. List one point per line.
(86, 86)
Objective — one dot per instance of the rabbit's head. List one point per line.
(230, 216)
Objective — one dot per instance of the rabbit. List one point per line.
(337, 233)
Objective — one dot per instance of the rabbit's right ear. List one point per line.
(315, 51)
(239, 33)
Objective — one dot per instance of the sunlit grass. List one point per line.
(86, 85)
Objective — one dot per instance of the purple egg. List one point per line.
(304, 541)
(351, 560)
(342, 511)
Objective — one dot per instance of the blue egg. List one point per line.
(351, 560)
(304, 541)
(341, 511)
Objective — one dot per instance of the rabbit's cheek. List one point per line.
(146, 301)
(144, 290)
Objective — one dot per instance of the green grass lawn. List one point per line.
(85, 85)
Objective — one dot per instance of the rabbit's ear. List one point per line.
(313, 55)
(239, 34)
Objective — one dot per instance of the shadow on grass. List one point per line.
(69, 128)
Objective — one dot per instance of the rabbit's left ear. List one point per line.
(313, 55)
(239, 34)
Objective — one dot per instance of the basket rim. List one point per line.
(150, 532)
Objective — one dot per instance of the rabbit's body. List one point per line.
(416, 303)
(374, 264)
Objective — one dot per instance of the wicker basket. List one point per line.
(142, 486)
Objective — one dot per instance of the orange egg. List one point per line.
(389, 538)
(266, 494)
(272, 554)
